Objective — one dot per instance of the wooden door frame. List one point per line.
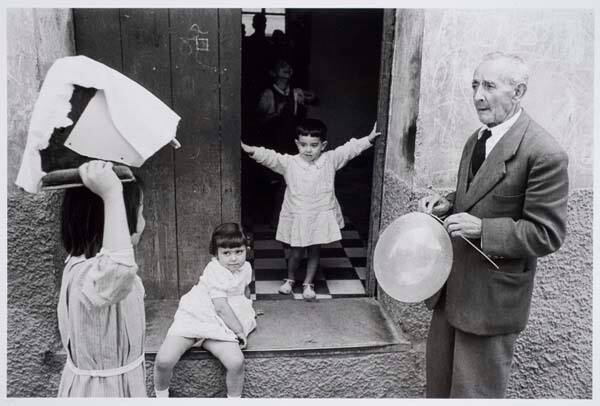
(385, 79)
(400, 74)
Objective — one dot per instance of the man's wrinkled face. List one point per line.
(493, 96)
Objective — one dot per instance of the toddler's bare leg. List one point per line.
(314, 256)
(232, 358)
(170, 352)
(294, 260)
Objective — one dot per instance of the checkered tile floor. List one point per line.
(341, 272)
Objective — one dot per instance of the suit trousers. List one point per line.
(464, 365)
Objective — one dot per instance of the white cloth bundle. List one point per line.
(139, 122)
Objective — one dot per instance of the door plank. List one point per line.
(195, 82)
(98, 35)
(230, 72)
(145, 49)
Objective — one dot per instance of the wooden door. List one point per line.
(191, 60)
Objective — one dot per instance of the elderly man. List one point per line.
(511, 201)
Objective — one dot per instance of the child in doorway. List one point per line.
(215, 314)
(310, 214)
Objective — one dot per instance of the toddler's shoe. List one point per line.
(308, 293)
(287, 286)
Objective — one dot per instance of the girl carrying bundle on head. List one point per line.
(101, 304)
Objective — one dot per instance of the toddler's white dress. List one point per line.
(310, 213)
(196, 316)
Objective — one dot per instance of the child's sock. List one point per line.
(162, 393)
(234, 397)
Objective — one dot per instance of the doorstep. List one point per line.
(296, 328)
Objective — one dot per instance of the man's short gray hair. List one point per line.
(517, 72)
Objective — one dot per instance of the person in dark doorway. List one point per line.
(511, 200)
(256, 53)
(259, 24)
(280, 46)
(310, 213)
(279, 110)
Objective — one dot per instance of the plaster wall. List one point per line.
(557, 45)
(554, 354)
(35, 38)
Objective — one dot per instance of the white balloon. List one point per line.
(413, 257)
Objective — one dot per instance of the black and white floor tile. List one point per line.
(341, 271)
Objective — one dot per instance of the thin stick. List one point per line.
(469, 242)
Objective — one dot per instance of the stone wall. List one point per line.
(554, 354)
(35, 38)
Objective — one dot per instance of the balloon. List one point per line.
(413, 257)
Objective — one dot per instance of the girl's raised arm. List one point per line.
(99, 177)
(248, 148)
(112, 273)
(374, 133)
(273, 160)
(351, 149)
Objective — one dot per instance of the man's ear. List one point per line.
(324, 144)
(520, 91)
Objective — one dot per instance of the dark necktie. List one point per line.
(479, 151)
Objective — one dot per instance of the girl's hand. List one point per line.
(99, 177)
(248, 149)
(374, 134)
(243, 340)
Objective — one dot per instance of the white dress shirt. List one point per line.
(497, 132)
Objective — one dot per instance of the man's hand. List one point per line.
(248, 149)
(434, 204)
(463, 224)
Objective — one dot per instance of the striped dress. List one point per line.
(102, 326)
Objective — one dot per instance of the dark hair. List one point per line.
(313, 128)
(227, 235)
(279, 63)
(259, 19)
(82, 223)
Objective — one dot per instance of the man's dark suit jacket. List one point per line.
(520, 193)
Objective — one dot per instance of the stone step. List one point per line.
(331, 348)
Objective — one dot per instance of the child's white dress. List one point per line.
(310, 213)
(196, 316)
